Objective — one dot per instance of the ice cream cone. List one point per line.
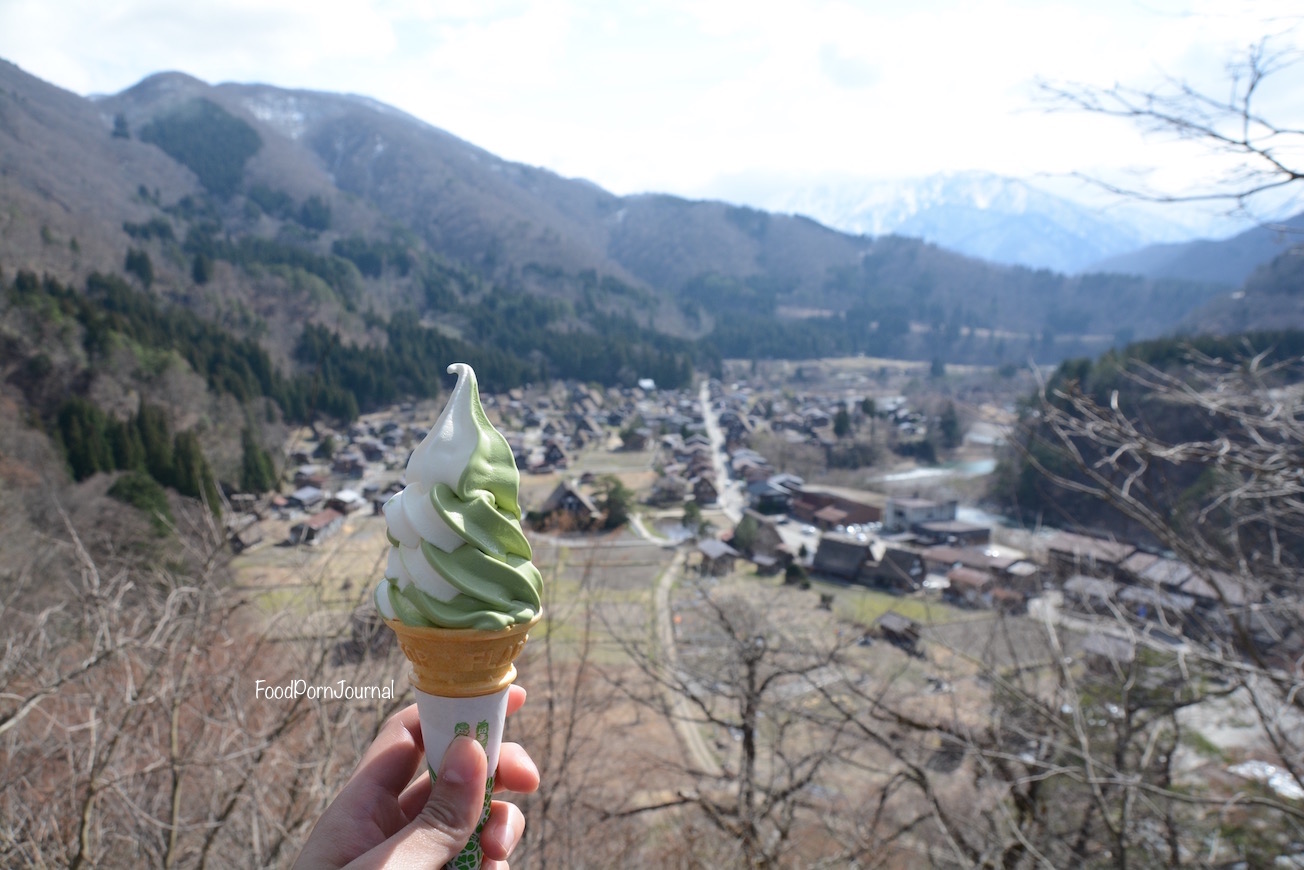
(458, 557)
(461, 677)
(461, 662)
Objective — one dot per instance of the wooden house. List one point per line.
(717, 558)
(956, 532)
(306, 498)
(1091, 594)
(903, 514)
(899, 631)
(855, 511)
(555, 455)
(568, 508)
(1071, 554)
(896, 569)
(969, 587)
(840, 556)
(704, 491)
(346, 501)
(315, 528)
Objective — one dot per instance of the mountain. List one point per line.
(1229, 261)
(1004, 220)
(1271, 299)
(290, 216)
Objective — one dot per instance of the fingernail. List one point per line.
(458, 765)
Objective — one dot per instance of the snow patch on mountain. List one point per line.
(992, 217)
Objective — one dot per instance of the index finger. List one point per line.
(393, 757)
(515, 698)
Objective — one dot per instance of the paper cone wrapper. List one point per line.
(443, 719)
(461, 678)
(480, 718)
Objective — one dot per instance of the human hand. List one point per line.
(383, 818)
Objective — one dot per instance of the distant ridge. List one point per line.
(980, 214)
(1229, 261)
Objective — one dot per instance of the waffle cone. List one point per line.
(461, 662)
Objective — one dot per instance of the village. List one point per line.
(688, 463)
(643, 505)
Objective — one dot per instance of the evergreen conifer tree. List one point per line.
(257, 474)
(156, 442)
(128, 450)
(192, 474)
(81, 428)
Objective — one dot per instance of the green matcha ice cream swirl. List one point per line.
(458, 557)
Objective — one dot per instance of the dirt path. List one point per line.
(681, 710)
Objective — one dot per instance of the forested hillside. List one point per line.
(1143, 381)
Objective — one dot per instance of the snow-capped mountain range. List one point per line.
(993, 217)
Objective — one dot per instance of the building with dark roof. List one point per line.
(306, 498)
(1093, 594)
(569, 508)
(969, 587)
(894, 568)
(1071, 554)
(840, 556)
(903, 514)
(955, 532)
(318, 526)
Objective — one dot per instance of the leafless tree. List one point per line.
(742, 685)
(1202, 456)
(563, 726)
(132, 732)
(1261, 154)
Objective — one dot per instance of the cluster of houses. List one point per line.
(902, 545)
(913, 545)
(545, 428)
(810, 417)
(1100, 576)
(344, 472)
(918, 545)
(920, 548)
(687, 468)
(360, 467)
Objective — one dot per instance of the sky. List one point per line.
(696, 97)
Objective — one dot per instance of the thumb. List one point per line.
(437, 834)
(457, 796)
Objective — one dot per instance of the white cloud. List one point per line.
(674, 93)
(90, 46)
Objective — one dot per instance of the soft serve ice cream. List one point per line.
(458, 558)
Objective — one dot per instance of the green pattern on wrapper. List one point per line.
(472, 855)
